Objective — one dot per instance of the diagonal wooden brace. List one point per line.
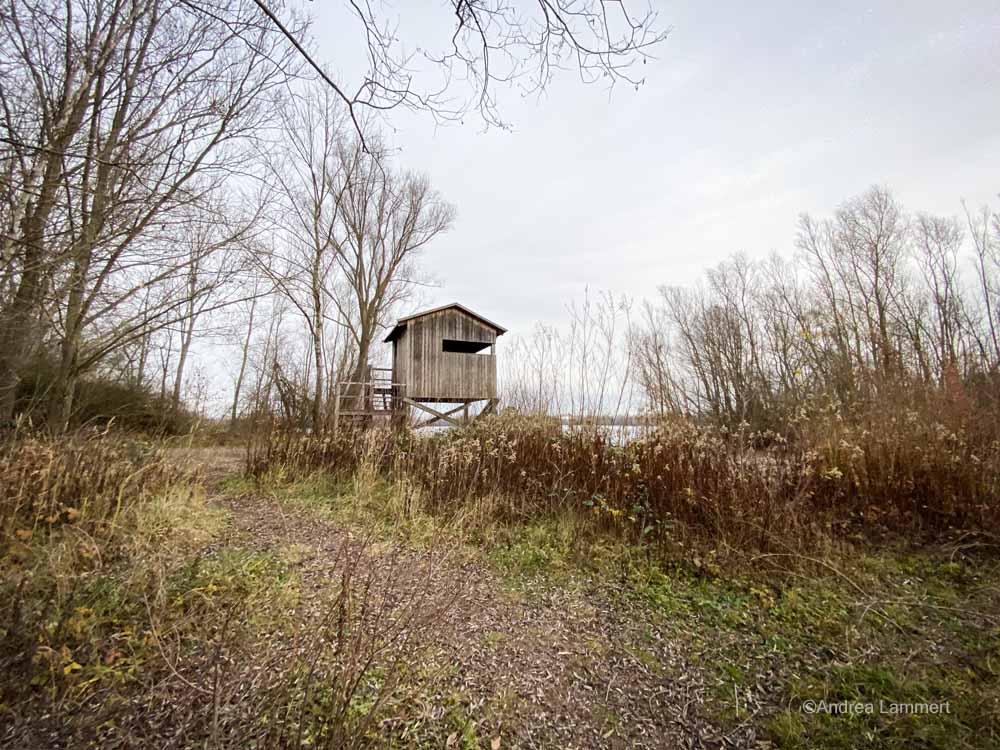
(432, 420)
(435, 413)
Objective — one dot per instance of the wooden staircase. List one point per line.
(376, 397)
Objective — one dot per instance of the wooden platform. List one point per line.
(380, 398)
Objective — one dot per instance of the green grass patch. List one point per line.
(390, 510)
(891, 632)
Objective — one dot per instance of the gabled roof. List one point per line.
(401, 323)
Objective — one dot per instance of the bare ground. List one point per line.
(540, 667)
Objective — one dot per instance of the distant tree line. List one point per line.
(876, 304)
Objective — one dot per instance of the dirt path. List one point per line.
(541, 667)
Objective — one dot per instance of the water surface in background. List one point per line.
(617, 433)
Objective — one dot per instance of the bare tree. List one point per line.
(534, 374)
(654, 354)
(351, 229)
(309, 172)
(251, 317)
(873, 306)
(121, 116)
(387, 219)
(858, 267)
(214, 260)
(490, 43)
(937, 242)
(583, 371)
(984, 228)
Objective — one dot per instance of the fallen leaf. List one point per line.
(23, 534)
(71, 668)
(495, 743)
(452, 739)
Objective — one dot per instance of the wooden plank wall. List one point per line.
(431, 373)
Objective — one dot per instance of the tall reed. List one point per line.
(905, 477)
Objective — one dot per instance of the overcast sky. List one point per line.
(748, 118)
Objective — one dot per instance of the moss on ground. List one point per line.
(798, 650)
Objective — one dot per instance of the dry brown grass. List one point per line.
(902, 476)
(82, 482)
(128, 616)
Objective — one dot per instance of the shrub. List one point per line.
(99, 400)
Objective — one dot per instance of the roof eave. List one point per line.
(395, 333)
(499, 329)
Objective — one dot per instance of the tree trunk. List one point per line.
(140, 370)
(64, 386)
(360, 371)
(317, 410)
(63, 389)
(17, 323)
(17, 330)
(243, 365)
(187, 334)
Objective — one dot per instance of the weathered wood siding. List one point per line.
(429, 372)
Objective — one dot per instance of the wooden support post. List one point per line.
(399, 409)
(465, 413)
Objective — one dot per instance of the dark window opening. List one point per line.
(465, 347)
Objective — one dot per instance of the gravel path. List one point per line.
(540, 667)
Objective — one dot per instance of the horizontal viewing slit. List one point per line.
(465, 347)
